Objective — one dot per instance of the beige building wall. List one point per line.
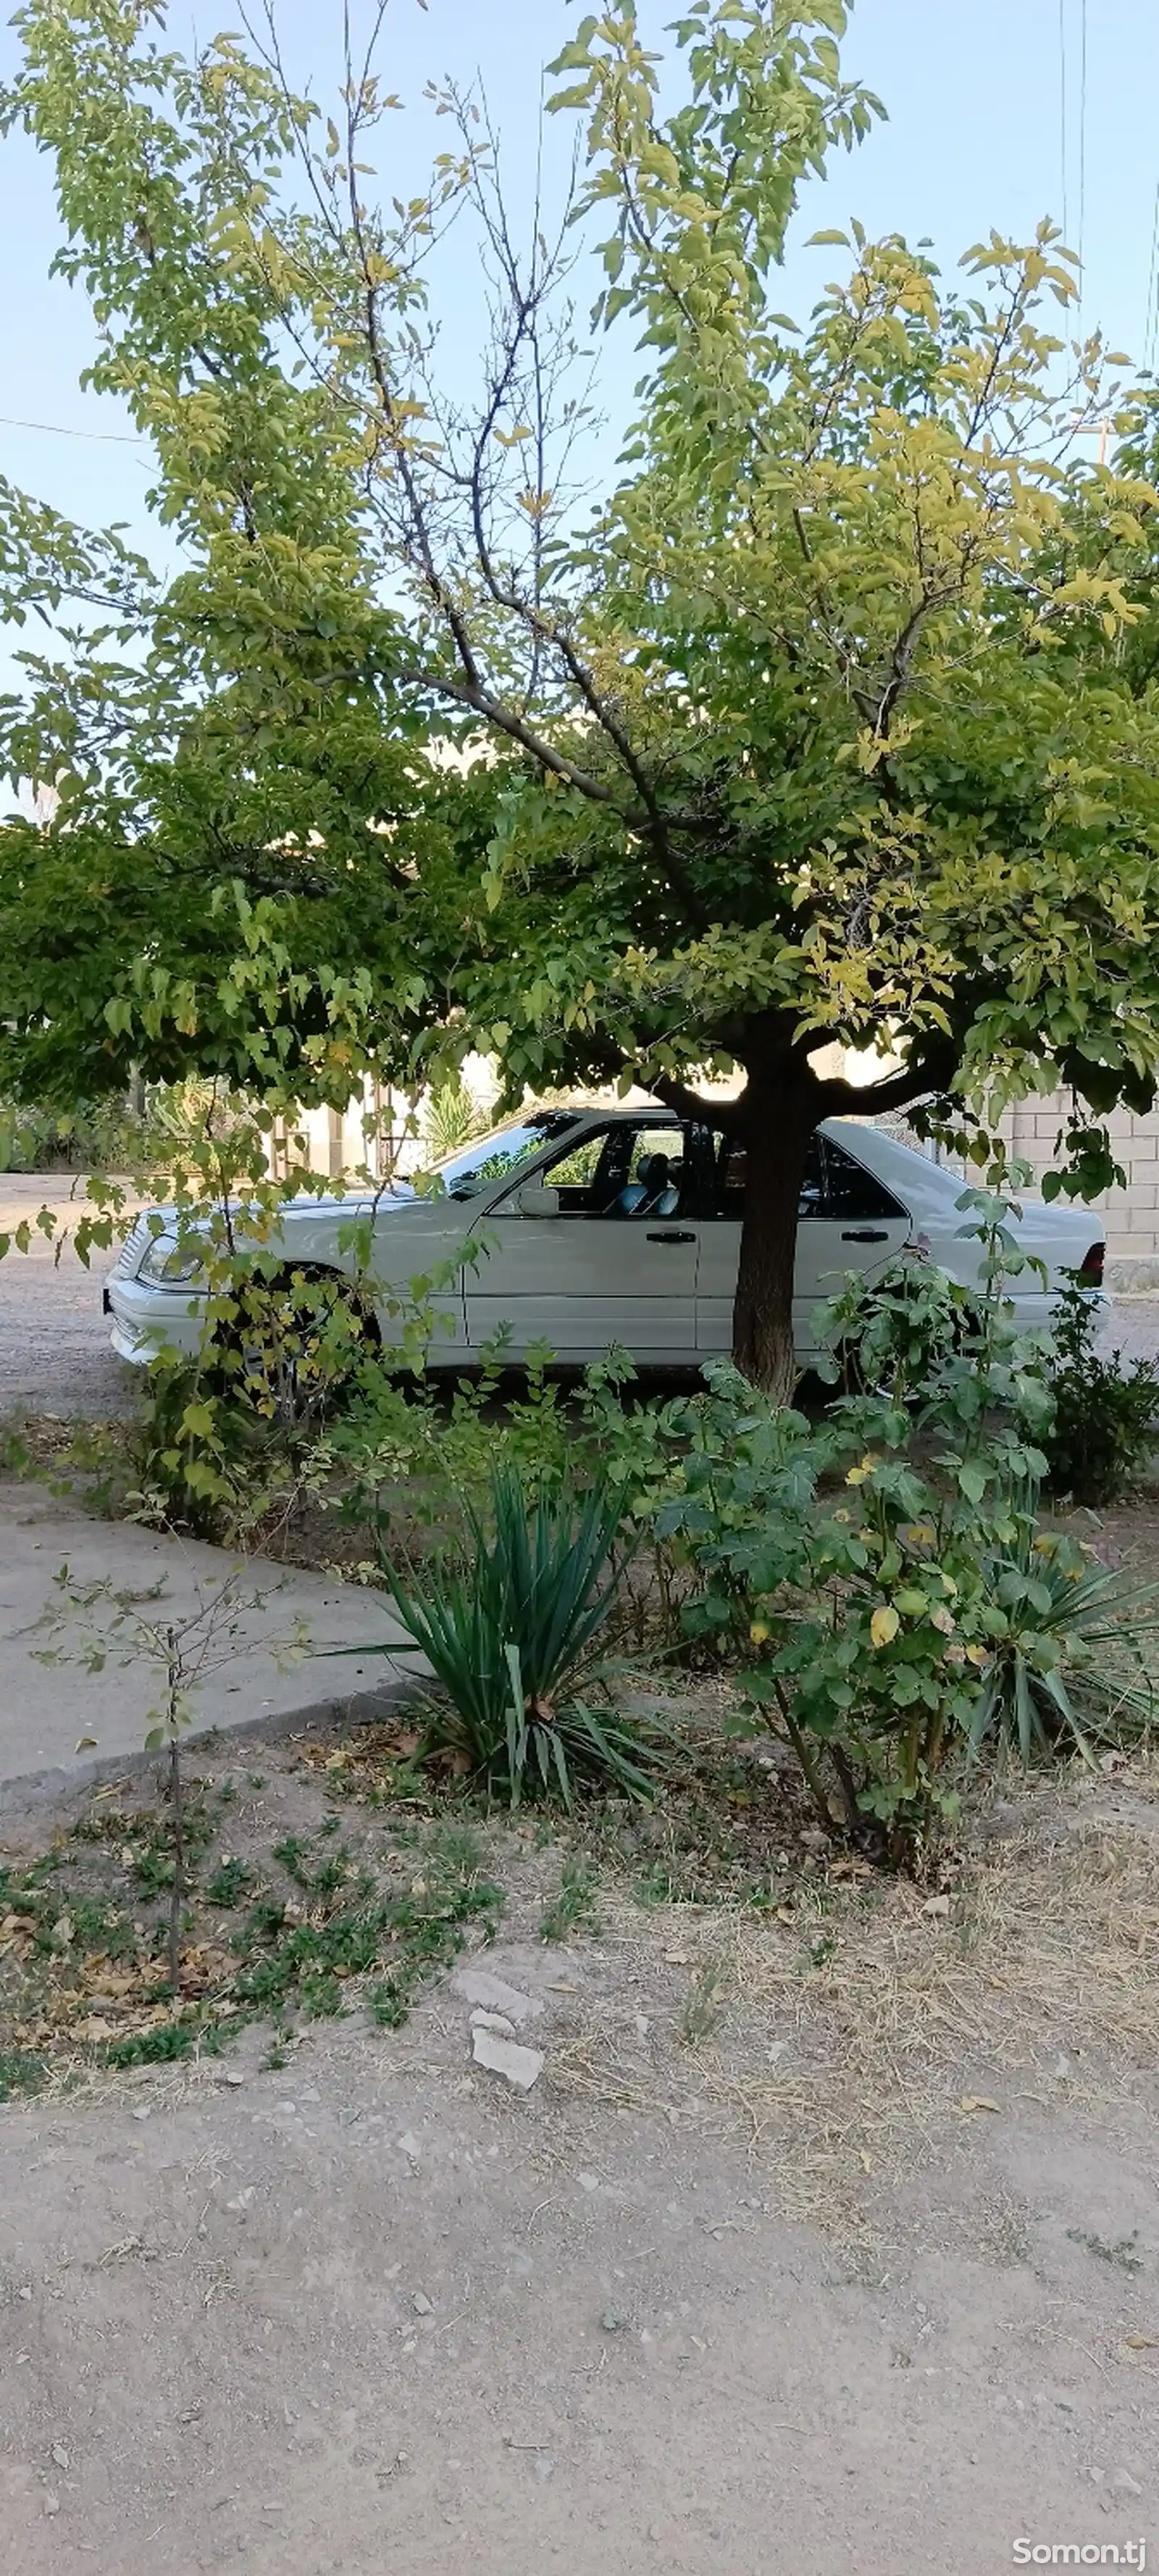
(1132, 1215)
(1032, 1132)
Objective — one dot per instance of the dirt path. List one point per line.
(761, 2299)
(365, 2315)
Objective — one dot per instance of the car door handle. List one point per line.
(672, 1235)
(865, 1234)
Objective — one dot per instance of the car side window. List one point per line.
(851, 1193)
(730, 1167)
(620, 1171)
(588, 1175)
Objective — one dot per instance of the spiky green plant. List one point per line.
(452, 1117)
(1073, 1667)
(511, 1638)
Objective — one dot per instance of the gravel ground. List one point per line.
(54, 1340)
(1133, 1328)
(55, 1355)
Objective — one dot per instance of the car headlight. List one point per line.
(171, 1265)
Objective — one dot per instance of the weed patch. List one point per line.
(20, 2073)
(317, 1928)
(573, 1909)
(1122, 2255)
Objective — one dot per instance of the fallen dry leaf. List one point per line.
(976, 2102)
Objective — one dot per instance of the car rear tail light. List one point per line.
(1091, 1269)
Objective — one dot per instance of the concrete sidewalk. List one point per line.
(46, 1708)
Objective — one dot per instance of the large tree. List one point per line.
(828, 723)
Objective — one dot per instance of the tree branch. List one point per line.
(932, 1072)
(690, 1104)
(506, 720)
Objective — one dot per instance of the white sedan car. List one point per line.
(583, 1227)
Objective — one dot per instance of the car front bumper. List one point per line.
(148, 1321)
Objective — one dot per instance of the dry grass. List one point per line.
(842, 2023)
(891, 2023)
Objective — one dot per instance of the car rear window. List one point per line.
(835, 1186)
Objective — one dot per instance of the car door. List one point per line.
(846, 1220)
(595, 1249)
(858, 1226)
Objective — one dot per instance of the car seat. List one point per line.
(654, 1194)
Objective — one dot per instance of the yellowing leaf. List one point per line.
(857, 1475)
(884, 1625)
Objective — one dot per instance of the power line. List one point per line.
(1150, 330)
(1082, 140)
(53, 429)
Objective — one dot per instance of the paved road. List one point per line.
(1133, 1328)
(54, 1340)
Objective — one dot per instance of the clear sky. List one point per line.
(974, 90)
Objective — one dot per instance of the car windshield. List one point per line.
(492, 1158)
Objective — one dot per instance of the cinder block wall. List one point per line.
(1132, 1215)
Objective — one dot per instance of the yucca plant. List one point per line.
(512, 1637)
(453, 1116)
(1072, 1669)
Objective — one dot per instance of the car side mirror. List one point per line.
(537, 1200)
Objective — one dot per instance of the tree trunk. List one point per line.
(778, 1126)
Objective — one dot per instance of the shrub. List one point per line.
(1106, 1415)
(98, 1136)
(419, 1462)
(888, 1565)
(453, 1117)
(511, 1639)
(236, 1431)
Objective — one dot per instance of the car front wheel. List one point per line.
(296, 1340)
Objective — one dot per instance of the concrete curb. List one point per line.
(33, 1790)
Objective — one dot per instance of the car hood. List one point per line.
(340, 1203)
(350, 1203)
